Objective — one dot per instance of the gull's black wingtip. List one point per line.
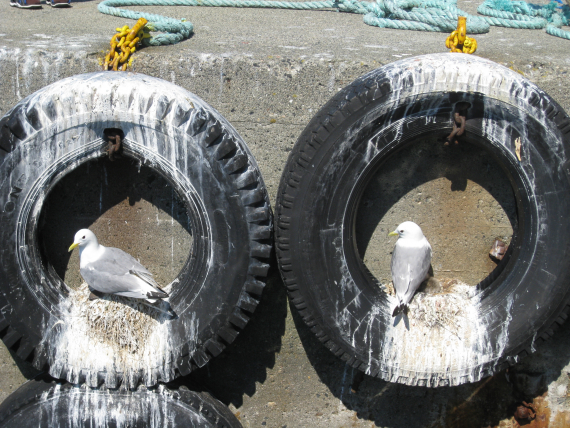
(398, 310)
(157, 294)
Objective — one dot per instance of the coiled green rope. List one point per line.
(519, 14)
(420, 15)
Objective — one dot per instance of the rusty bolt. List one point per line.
(114, 140)
(498, 250)
(459, 118)
(525, 412)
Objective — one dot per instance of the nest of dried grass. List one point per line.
(121, 323)
(441, 304)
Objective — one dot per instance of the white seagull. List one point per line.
(411, 260)
(112, 271)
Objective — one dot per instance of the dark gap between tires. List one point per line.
(127, 206)
(460, 197)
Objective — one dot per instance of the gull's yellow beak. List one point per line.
(394, 233)
(74, 245)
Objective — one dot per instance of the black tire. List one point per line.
(43, 402)
(347, 141)
(179, 136)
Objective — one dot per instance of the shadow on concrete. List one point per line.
(481, 404)
(244, 363)
(25, 367)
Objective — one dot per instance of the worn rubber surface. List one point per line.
(385, 111)
(197, 151)
(43, 402)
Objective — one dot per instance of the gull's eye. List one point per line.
(83, 237)
(401, 231)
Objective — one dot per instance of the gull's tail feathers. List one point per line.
(402, 307)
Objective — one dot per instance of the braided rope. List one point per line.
(398, 24)
(419, 15)
(553, 31)
(519, 14)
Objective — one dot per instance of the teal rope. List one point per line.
(419, 15)
(553, 31)
(519, 14)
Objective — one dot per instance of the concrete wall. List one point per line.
(268, 72)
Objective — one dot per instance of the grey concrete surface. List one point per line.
(268, 72)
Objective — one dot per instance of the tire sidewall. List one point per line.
(345, 299)
(211, 283)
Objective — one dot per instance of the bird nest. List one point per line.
(117, 321)
(126, 330)
(123, 339)
(439, 304)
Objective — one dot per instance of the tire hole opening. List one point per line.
(461, 198)
(126, 205)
